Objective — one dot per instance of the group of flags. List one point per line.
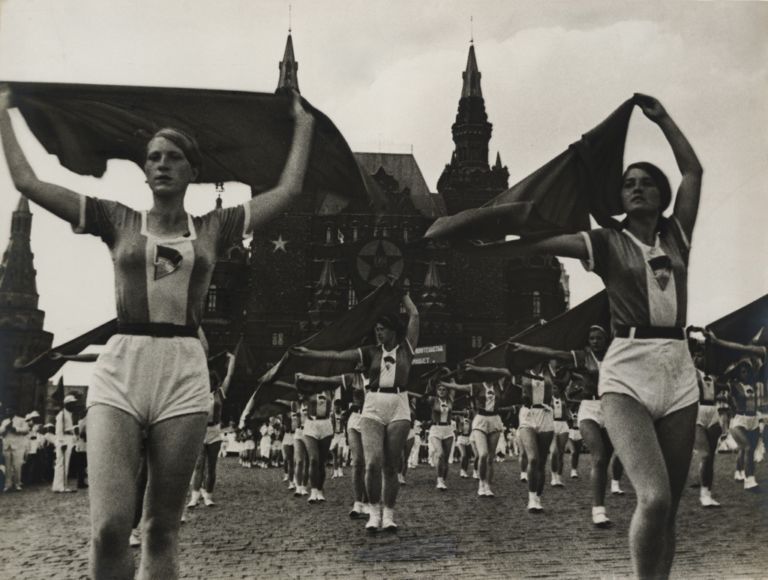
(246, 136)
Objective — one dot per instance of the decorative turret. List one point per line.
(433, 297)
(289, 68)
(21, 323)
(327, 296)
(468, 181)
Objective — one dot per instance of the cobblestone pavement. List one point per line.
(259, 530)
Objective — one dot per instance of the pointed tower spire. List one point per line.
(498, 165)
(471, 76)
(17, 271)
(468, 180)
(21, 322)
(289, 68)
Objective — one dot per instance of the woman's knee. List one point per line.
(110, 535)
(655, 504)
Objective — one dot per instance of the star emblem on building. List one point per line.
(279, 244)
(378, 260)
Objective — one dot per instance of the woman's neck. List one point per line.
(389, 345)
(644, 227)
(169, 209)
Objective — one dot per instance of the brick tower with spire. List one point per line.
(21, 321)
(468, 181)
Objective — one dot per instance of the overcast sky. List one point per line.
(389, 75)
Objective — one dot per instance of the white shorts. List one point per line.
(462, 440)
(212, 434)
(386, 408)
(151, 378)
(540, 420)
(592, 410)
(748, 422)
(353, 423)
(338, 441)
(487, 424)
(707, 416)
(561, 426)
(441, 432)
(318, 428)
(287, 439)
(657, 372)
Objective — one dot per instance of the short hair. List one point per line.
(659, 178)
(392, 322)
(183, 141)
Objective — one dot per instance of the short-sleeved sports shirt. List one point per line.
(387, 368)
(646, 285)
(160, 279)
(487, 395)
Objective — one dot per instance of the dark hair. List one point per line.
(392, 322)
(183, 141)
(659, 179)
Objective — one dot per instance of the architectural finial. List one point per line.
(471, 30)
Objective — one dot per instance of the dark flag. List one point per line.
(556, 198)
(243, 136)
(746, 325)
(58, 394)
(350, 330)
(568, 331)
(44, 367)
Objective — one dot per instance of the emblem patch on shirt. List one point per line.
(662, 270)
(167, 261)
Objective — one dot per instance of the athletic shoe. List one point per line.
(357, 511)
(481, 489)
(304, 490)
(441, 484)
(401, 479)
(388, 520)
(208, 499)
(706, 499)
(341, 473)
(488, 492)
(463, 473)
(739, 475)
(534, 504)
(751, 483)
(312, 496)
(134, 540)
(523, 477)
(475, 475)
(599, 518)
(285, 477)
(194, 500)
(574, 474)
(374, 519)
(556, 481)
(319, 496)
(291, 486)
(616, 488)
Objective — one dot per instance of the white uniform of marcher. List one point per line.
(14, 431)
(65, 441)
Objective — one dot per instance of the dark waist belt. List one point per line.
(158, 329)
(443, 423)
(537, 406)
(387, 390)
(561, 419)
(485, 413)
(673, 332)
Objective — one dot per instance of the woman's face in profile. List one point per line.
(384, 334)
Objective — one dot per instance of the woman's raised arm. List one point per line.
(58, 200)
(270, 204)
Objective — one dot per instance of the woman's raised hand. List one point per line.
(651, 107)
(300, 115)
